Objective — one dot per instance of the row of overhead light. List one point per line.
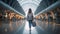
(26, 4)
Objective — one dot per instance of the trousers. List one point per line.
(30, 23)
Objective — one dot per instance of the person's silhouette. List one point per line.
(30, 18)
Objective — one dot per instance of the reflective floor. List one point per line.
(13, 15)
(22, 27)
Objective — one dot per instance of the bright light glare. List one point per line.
(26, 4)
(27, 26)
(26, 8)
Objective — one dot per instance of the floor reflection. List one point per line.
(10, 26)
(18, 27)
(27, 31)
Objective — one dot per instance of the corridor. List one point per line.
(14, 19)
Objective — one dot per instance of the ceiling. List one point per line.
(22, 6)
(26, 4)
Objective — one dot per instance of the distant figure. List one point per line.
(30, 18)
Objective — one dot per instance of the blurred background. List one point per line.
(13, 16)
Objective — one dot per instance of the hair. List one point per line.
(30, 11)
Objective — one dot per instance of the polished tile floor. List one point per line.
(22, 27)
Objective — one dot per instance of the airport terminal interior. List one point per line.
(13, 16)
